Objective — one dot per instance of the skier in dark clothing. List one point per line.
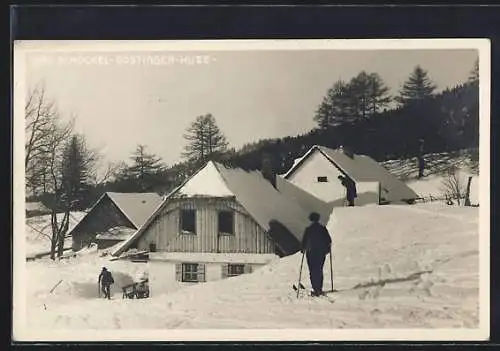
(106, 279)
(316, 244)
(350, 186)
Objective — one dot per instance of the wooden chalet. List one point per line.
(114, 218)
(222, 222)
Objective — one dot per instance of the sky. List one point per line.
(120, 100)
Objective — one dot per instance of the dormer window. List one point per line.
(322, 179)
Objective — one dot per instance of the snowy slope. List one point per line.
(421, 262)
(432, 185)
(38, 232)
(435, 164)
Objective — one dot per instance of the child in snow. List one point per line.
(316, 244)
(105, 279)
(350, 186)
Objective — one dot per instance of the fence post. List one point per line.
(467, 193)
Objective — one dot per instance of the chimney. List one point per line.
(268, 169)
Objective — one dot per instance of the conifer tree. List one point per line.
(417, 88)
(205, 141)
(474, 74)
(146, 172)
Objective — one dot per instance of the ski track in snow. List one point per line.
(417, 267)
(427, 210)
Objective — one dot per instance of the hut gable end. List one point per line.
(103, 216)
(259, 210)
(317, 172)
(166, 234)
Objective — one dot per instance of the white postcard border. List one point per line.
(21, 333)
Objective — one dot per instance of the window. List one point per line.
(152, 247)
(190, 272)
(322, 179)
(235, 269)
(188, 221)
(226, 222)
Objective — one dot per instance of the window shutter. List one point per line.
(225, 270)
(248, 268)
(201, 273)
(178, 272)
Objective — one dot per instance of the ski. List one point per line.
(328, 298)
(301, 286)
(324, 296)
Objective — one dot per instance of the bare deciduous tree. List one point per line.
(103, 171)
(40, 113)
(44, 133)
(57, 138)
(56, 160)
(453, 185)
(72, 170)
(40, 117)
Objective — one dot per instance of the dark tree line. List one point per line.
(357, 115)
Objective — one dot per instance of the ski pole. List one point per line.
(331, 268)
(300, 272)
(55, 286)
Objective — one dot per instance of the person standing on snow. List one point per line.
(350, 186)
(106, 279)
(316, 244)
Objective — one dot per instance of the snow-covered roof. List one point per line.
(298, 161)
(284, 206)
(116, 233)
(136, 207)
(269, 205)
(305, 199)
(36, 206)
(362, 168)
(208, 182)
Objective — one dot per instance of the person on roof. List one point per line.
(105, 280)
(316, 244)
(350, 186)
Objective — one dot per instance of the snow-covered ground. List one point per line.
(396, 267)
(432, 185)
(435, 164)
(38, 232)
(420, 264)
(436, 172)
